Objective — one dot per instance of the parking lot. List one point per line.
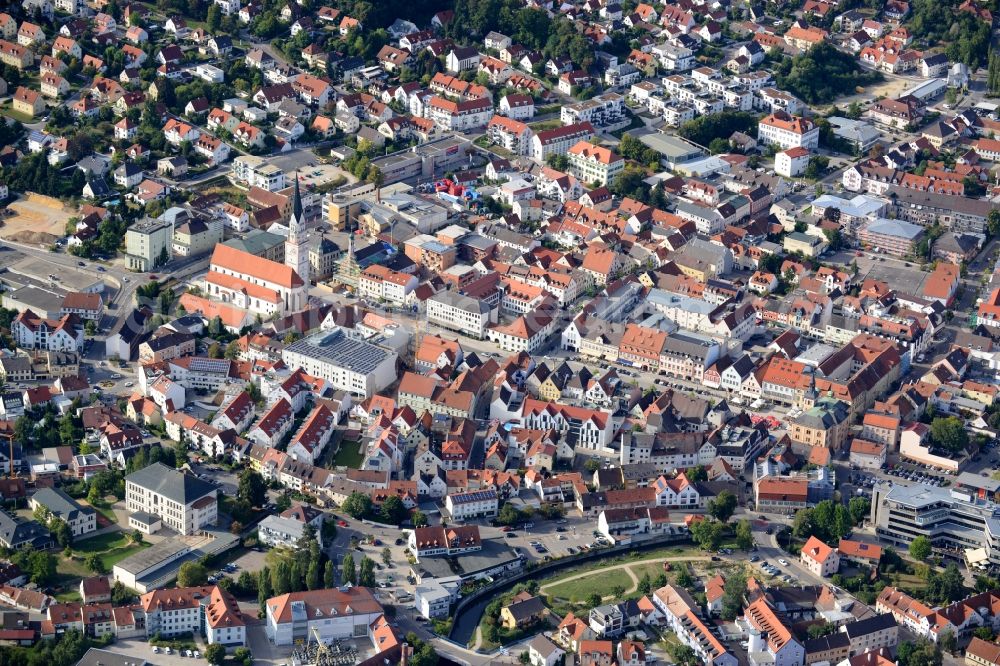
(547, 538)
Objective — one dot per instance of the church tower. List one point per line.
(297, 245)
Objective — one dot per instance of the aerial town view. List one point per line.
(470, 332)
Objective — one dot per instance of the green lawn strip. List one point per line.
(349, 455)
(598, 582)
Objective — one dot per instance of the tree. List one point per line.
(62, 532)
(744, 535)
(251, 488)
(593, 599)
(984, 633)
(215, 349)
(366, 574)
(192, 574)
(592, 465)
(328, 575)
(949, 433)
(682, 655)
(859, 508)
(696, 473)
(947, 641)
(707, 534)
(264, 588)
(393, 511)
(213, 19)
(386, 556)
(722, 506)
(732, 594)
(95, 563)
(357, 505)
(313, 578)
(419, 519)
(215, 653)
(820, 630)
(993, 222)
(348, 574)
(509, 515)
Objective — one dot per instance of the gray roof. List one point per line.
(171, 483)
(60, 504)
(460, 301)
(99, 657)
(337, 348)
(897, 228)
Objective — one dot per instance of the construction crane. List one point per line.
(321, 648)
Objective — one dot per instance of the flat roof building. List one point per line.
(358, 367)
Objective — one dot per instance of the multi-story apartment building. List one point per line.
(473, 504)
(452, 116)
(594, 164)
(601, 111)
(682, 615)
(787, 131)
(510, 134)
(258, 172)
(559, 140)
(33, 332)
(332, 614)
(183, 502)
(148, 243)
(464, 314)
(208, 611)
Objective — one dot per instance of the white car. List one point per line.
(156, 649)
(783, 562)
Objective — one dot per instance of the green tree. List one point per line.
(696, 473)
(251, 488)
(215, 653)
(707, 534)
(744, 535)
(264, 588)
(357, 505)
(366, 573)
(732, 594)
(313, 576)
(95, 563)
(348, 574)
(722, 506)
(192, 574)
(682, 655)
(593, 600)
(509, 514)
(393, 512)
(949, 433)
(386, 556)
(859, 508)
(328, 575)
(820, 630)
(993, 221)
(213, 19)
(62, 532)
(419, 519)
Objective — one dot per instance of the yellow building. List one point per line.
(27, 101)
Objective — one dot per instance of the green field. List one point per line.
(349, 455)
(113, 547)
(581, 588)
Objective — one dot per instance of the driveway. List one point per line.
(264, 652)
(135, 647)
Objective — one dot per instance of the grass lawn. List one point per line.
(600, 582)
(113, 547)
(911, 581)
(349, 455)
(546, 125)
(70, 595)
(653, 569)
(9, 111)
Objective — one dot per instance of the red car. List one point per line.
(505, 528)
(342, 523)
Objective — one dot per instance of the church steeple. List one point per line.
(297, 201)
(297, 246)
